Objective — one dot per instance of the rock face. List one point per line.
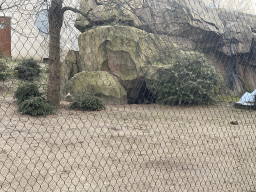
(231, 32)
(128, 54)
(69, 67)
(100, 83)
(131, 39)
(123, 51)
(238, 71)
(239, 31)
(184, 18)
(165, 16)
(106, 12)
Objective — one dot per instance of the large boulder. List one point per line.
(228, 31)
(122, 50)
(239, 31)
(151, 13)
(128, 53)
(184, 18)
(69, 67)
(235, 16)
(237, 38)
(228, 36)
(238, 71)
(100, 83)
(106, 12)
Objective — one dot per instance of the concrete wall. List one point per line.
(27, 41)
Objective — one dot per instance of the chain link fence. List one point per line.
(153, 95)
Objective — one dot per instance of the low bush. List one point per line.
(192, 79)
(26, 91)
(27, 70)
(3, 71)
(35, 106)
(88, 103)
(30, 100)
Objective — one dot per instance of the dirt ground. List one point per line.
(128, 148)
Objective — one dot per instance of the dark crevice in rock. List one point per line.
(103, 23)
(237, 70)
(140, 94)
(75, 68)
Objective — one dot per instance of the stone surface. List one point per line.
(108, 12)
(237, 38)
(129, 54)
(69, 67)
(164, 16)
(100, 83)
(123, 51)
(227, 31)
(239, 31)
(127, 40)
(235, 16)
(238, 71)
(184, 18)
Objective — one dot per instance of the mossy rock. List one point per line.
(123, 51)
(100, 83)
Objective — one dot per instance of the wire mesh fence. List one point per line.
(127, 95)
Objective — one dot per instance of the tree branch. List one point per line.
(77, 11)
(2, 9)
(2, 4)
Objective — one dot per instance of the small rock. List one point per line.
(69, 97)
(234, 122)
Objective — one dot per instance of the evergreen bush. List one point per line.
(191, 79)
(88, 103)
(3, 71)
(27, 70)
(26, 91)
(35, 106)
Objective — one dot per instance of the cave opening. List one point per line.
(140, 94)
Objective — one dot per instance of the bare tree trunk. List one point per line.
(55, 23)
(55, 18)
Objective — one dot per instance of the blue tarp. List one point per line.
(248, 99)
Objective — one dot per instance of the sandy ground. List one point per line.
(128, 148)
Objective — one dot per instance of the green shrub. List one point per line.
(27, 70)
(191, 79)
(3, 71)
(26, 91)
(88, 103)
(35, 106)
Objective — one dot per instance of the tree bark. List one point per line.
(55, 17)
